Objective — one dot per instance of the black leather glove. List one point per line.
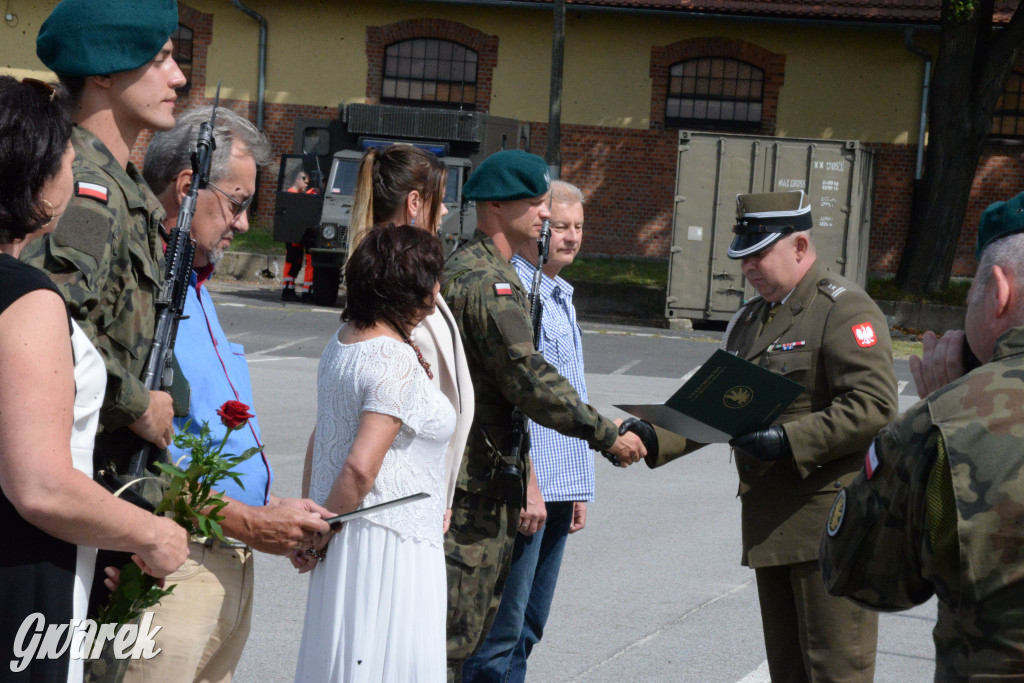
(767, 445)
(641, 428)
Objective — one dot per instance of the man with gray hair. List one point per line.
(562, 475)
(206, 619)
(939, 507)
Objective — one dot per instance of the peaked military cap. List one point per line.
(762, 219)
(511, 174)
(89, 38)
(1000, 219)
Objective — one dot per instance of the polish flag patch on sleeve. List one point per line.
(92, 191)
(871, 461)
(502, 289)
(865, 335)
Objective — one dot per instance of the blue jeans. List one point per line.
(525, 602)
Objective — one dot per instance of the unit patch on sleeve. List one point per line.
(865, 335)
(92, 191)
(502, 289)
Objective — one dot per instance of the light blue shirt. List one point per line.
(217, 372)
(564, 465)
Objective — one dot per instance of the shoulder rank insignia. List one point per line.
(92, 191)
(832, 288)
(502, 289)
(786, 346)
(865, 335)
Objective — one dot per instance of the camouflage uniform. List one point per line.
(106, 257)
(491, 308)
(943, 512)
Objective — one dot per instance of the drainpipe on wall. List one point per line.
(908, 42)
(262, 79)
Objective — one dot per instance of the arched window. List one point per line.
(715, 93)
(431, 72)
(1008, 118)
(182, 40)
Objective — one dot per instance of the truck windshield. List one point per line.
(345, 177)
(451, 187)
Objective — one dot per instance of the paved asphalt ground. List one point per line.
(651, 590)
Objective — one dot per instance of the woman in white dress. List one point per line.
(402, 184)
(52, 513)
(377, 602)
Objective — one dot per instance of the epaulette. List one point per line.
(831, 288)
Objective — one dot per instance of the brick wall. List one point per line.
(1000, 175)
(628, 178)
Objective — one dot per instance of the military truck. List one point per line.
(319, 217)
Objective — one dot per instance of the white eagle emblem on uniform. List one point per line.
(865, 335)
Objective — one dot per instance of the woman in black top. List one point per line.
(52, 514)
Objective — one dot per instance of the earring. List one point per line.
(52, 212)
(412, 221)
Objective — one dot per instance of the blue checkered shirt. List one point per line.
(564, 465)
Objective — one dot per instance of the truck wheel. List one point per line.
(325, 285)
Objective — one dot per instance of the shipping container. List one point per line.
(838, 176)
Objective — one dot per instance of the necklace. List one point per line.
(419, 355)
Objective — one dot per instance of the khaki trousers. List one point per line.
(810, 635)
(205, 620)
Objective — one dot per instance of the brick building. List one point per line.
(636, 72)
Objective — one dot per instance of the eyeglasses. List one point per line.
(240, 206)
(41, 87)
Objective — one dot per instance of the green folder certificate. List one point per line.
(726, 397)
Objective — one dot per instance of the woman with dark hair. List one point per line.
(405, 184)
(53, 514)
(377, 603)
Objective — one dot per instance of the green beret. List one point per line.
(508, 175)
(1000, 220)
(89, 38)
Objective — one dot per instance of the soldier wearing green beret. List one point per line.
(492, 312)
(115, 60)
(939, 506)
(823, 331)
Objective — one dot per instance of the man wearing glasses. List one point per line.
(205, 621)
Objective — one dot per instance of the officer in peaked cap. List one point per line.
(115, 58)
(491, 309)
(937, 507)
(823, 331)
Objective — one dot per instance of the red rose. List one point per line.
(234, 414)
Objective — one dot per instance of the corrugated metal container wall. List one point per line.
(838, 175)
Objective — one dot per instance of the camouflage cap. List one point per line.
(1000, 220)
(87, 38)
(508, 175)
(761, 219)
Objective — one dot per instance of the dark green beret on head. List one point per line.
(508, 175)
(99, 37)
(1000, 220)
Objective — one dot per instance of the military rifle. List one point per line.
(170, 304)
(511, 476)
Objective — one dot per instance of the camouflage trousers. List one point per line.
(478, 552)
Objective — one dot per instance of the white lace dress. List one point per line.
(376, 606)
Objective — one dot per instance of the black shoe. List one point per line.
(288, 294)
(307, 297)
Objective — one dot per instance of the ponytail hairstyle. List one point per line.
(386, 177)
